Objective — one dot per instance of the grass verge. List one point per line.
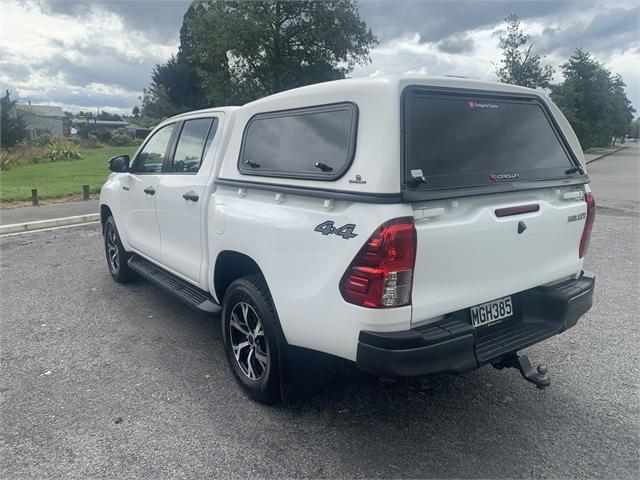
(600, 149)
(60, 179)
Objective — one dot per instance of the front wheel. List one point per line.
(252, 338)
(116, 255)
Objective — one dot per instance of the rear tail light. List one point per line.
(381, 275)
(588, 224)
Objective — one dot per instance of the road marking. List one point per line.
(49, 229)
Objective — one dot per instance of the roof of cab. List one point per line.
(202, 111)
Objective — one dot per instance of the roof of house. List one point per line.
(95, 121)
(42, 110)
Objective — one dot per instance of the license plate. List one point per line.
(491, 312)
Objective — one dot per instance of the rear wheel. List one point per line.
(116, 255)
(252, 338)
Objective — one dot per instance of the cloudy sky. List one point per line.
(88, 55)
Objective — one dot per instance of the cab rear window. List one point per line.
(464, 140)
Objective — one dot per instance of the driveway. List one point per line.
(104, 380)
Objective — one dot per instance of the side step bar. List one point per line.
(192, 296)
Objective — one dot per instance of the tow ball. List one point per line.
(537, 376)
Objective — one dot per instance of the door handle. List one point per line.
(191, 196)
(150, 191)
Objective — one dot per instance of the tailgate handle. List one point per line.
(577, 194)
(507, 212)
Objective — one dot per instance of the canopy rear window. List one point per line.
(467, 140)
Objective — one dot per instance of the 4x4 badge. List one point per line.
(328, 228)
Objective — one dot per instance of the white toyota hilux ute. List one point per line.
(411, 225)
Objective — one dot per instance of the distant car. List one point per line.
(411, 225)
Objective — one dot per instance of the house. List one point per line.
(87, 125)
(42, 118)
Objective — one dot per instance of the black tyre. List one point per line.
(116, 255)
(253, 338)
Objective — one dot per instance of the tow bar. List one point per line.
(537, 376)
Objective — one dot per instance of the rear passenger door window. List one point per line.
(315, 143)
(195, 138)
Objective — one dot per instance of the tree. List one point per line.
(519, 66)
(175, 88)
(634, 129)
(593, 100)
(13, 130)
(135, 111)
(235, 51)
(621, 111)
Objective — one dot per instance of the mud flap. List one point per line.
(304, 372)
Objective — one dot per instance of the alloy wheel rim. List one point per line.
(249, 345)
(112, 250)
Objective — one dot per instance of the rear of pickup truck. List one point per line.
(502, 215)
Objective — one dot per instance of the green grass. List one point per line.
(597, 149)
(60, 179)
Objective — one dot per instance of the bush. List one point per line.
(61, 150)
(121, 138)
(104, 136)
(42, 139)
(10, 157)
(90, 142)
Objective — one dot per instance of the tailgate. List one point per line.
(466, 155)
(467, 254)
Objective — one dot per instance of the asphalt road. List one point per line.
(46, 212)
(103, 380)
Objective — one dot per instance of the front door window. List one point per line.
(152, 156)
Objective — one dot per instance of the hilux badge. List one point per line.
(577, 217)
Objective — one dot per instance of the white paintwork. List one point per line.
(139, 208)
(466, 255)
(469, 256)
(182, 222)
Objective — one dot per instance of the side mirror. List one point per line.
(119, 163)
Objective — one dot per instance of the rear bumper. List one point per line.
(452, 345)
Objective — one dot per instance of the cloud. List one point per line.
(158, 19)
(410, 54)
(435, 20)
(461, 38)
(87, 54)
(91, 59)
(610, 30)
(458, 43)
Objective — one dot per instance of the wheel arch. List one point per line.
(105, 212)
(229, 266)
